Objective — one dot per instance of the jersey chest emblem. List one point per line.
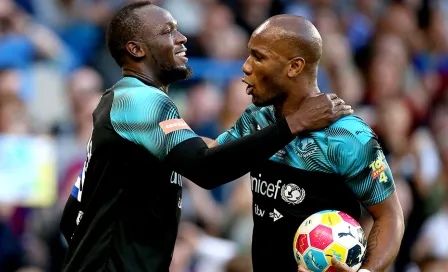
(305, 147)
(292, 194)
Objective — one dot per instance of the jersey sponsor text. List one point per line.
(264, 188)
(171, 125)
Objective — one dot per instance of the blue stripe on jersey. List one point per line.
(75, 191)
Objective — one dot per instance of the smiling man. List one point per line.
(124, 210)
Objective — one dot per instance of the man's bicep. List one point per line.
(370, 177)
(151, 120)
(372, 188)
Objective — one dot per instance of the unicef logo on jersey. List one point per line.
(305, 147)
(292, 194)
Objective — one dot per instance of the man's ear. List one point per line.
(135, 49)
(295, 66)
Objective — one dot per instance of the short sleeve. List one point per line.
(149, 118)
(243, 127)
(357, 156)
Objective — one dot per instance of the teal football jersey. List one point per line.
(336, 168)
(125, 207)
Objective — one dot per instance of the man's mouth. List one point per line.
(180, 53)
(249, 88)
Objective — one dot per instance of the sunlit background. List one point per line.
(388, 59)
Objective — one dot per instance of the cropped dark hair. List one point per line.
(124, 26)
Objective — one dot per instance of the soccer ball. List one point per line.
(329, 233)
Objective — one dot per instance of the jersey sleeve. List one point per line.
(357, 156)
(149, 118)
(242, 128)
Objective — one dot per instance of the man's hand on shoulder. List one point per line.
(317, 112)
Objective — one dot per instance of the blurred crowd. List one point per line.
(387, 59)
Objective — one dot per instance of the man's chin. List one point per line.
(188, 72)
(267, 101)
(179, 73)
(260, 103)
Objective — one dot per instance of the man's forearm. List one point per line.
(212, 167)
(383, 244)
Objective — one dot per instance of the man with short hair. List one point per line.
(337, 168)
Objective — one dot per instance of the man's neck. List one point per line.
(294, 100)
(145, 76)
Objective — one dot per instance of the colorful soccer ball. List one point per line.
(326, 234)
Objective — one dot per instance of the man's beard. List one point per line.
(170, 74)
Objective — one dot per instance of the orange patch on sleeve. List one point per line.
(378, 172)
(171, 125)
